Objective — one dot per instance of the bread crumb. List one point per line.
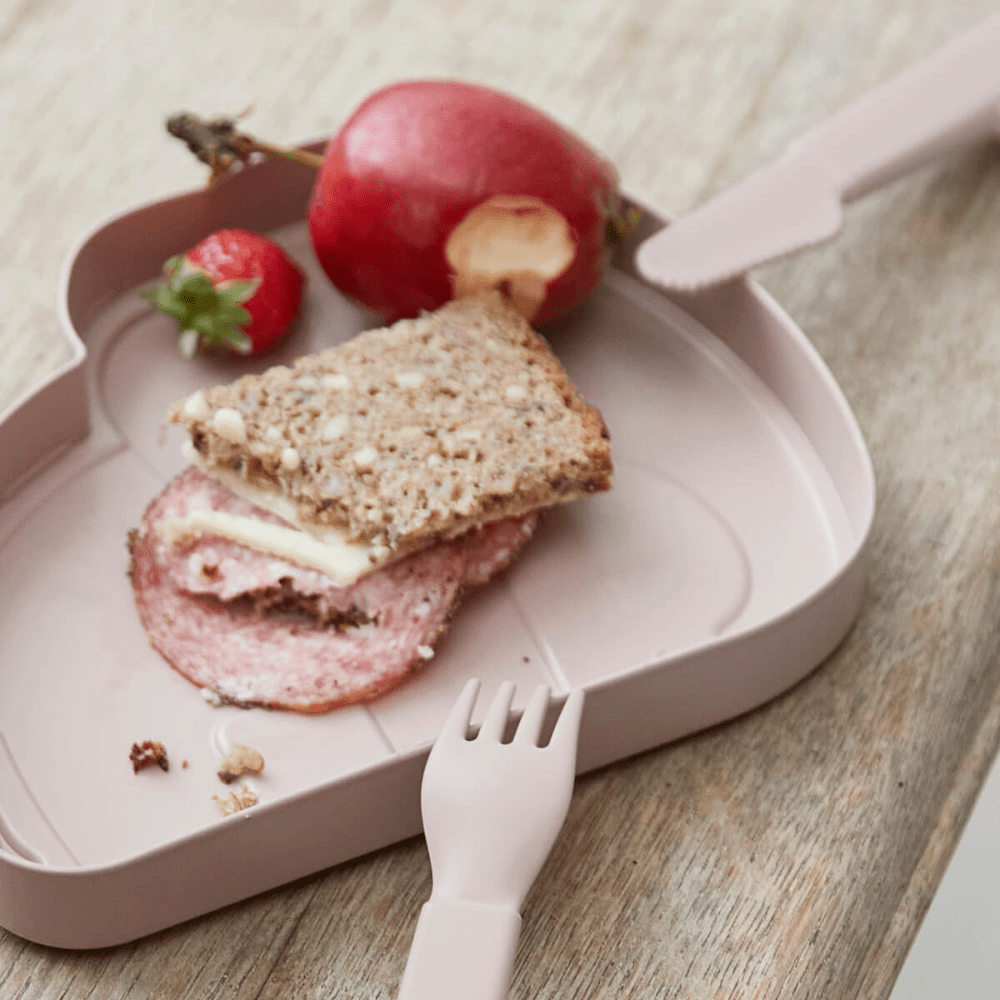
(233, 802)
(212, 697)
(409, 380)
(334, 427)
(148, 753)
(228, 424)
(425, 652)
(240, 760)
(333, 485)
(196, 406)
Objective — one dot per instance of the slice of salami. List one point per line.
(258, 630)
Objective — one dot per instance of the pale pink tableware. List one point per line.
(725, 564)
(492, 806)
(948, 100)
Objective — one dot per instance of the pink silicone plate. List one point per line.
(725, 564)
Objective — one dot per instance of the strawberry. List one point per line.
(235, 289)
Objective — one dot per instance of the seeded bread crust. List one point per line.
(411, 433)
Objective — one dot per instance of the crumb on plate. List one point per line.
(148, 753)
(234, 802)
(240, 760)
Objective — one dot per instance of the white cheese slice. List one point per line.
(317, 547)
(343, 562)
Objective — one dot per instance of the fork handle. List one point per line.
(461, 950)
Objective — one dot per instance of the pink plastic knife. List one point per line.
(950, 99)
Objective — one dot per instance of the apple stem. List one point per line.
(217, 143)
(621, 222)
(303, 156)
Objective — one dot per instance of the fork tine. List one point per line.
(567, 730)
(530, 726)
(456, 726)
(498, 713)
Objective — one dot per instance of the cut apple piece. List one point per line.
(515, 243)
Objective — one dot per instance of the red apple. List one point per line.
(435, 189)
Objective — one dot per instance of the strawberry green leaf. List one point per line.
(236, 315)
(241, 342)
(206, 324)
(232, 337)
(238, 291)
(196, 284)
(196, 290)
(206, 316)
(166, 301)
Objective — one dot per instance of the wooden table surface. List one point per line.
(789, 853)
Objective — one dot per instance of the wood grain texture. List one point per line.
(790, 853)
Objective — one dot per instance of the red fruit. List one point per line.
(235, 289)
(434, 189)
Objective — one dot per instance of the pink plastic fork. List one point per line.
(491, 813)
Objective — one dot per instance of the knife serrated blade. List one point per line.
(783, 208)
(950, 99)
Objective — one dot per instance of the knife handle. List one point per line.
(461, 950)
(948, 100)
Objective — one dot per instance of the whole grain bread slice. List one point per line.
(413, 432)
